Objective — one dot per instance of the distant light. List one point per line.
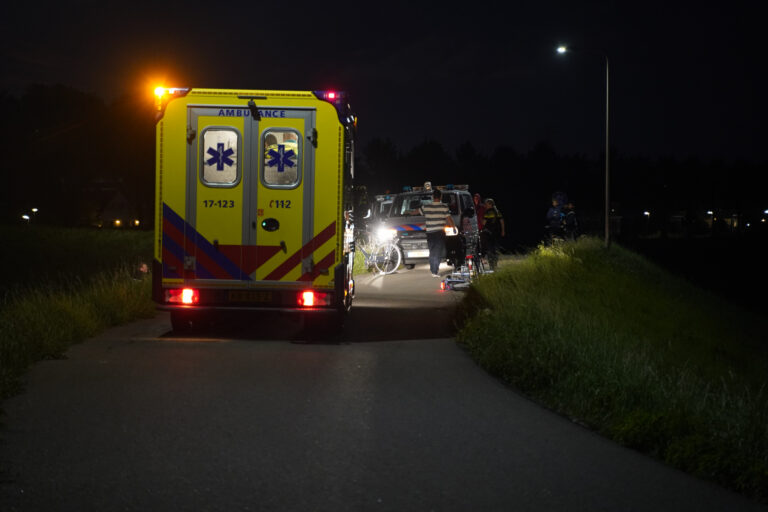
(25, 217)
(748, 224)
(117, 223)
(34, 210)
(561, 49)
(765, 212)
(136, 222)
(710, 212)
(331, 95)
(647, 214)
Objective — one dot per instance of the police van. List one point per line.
(253, 194)
(406, 225)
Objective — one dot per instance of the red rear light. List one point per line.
(331, 95)
(310, 298)
(182, 296)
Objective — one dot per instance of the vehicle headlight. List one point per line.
(385, 234)
(451, 231)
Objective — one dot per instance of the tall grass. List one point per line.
(609, 339)
(95, 284)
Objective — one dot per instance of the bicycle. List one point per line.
(385, 257)
(470, 269)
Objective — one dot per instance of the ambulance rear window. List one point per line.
(282, 157)
(220, 162)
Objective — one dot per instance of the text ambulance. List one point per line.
(253, 190)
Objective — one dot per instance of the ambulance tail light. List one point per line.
(311, 298)
(186, 296)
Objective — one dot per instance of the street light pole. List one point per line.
(607, 164)
(562, 50)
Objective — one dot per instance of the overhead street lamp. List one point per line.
(562, 50)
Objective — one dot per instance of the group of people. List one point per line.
(490, 224)
(561, 218)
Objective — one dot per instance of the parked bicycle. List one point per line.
(383, 255)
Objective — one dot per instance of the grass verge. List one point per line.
(643, 357)
(43, 317)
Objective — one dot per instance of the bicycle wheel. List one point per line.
(387, 258)
(479, 267)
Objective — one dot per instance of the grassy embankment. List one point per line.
(614, 342)
(60, 286)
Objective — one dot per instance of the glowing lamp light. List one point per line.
(331, 95)
(307, 299)
(25, 217)
(118, 223)
(136, 222)
(765, 212)
(647, 213)
(160, 91)
(561, 49)
(186, 296)
(310, 299)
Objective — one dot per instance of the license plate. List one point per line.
(249, 296)
(418, 254)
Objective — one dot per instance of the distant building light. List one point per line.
(647, 213)
(34, 210)
(765, 212)
(117, 223)
(748, 224)
(25, 217)
(710, 212)
(136, 222)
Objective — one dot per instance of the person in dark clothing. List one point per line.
(555, 217)
(493, 229)
(570, 223)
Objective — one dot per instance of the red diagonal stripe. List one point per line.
(302, 253)
(324, 264)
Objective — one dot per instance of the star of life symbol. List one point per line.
(220, 156)
(281, 158)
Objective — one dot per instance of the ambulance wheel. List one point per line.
(410, 266)
(182, 322)
(323, 326)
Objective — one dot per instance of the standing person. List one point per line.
(555, 216)
(493, 229)
(480, 210)
(437, 216)
(570, 223)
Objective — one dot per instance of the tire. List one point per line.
(387, 258)
(323, 326)
(479, 267)
(183, 322)
(410, 266)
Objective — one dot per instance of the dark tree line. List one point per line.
(69, 153)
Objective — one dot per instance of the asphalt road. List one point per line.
(393, 417)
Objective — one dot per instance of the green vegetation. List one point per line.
(612, 341)
(61, 286)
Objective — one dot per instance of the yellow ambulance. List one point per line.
(253, 202)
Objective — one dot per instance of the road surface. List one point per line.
(394, 417)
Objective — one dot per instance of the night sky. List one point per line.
(686, 80)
